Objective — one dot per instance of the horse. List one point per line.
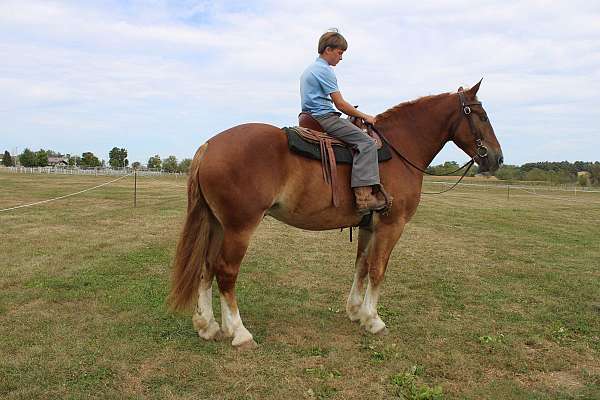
(247, 172)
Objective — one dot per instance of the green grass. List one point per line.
(485, 297)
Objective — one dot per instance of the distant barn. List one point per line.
(58, 161)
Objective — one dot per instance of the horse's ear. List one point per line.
(475, 88)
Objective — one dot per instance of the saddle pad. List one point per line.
(343, 155)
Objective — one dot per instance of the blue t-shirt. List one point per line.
(317, 82)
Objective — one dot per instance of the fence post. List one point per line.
(508, 191)
(134, 188)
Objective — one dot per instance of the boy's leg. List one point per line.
(365, 167)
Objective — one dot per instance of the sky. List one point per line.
(162, 77)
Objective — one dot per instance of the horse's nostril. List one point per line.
(500, 161)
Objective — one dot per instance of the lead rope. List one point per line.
(457, 182)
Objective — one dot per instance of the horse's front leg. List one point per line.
(355, 298)
(382, 242)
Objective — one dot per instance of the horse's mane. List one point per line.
(407, 107)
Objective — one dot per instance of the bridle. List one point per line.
(481, 151)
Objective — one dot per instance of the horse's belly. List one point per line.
(329, 218)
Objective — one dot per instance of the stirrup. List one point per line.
(388, 201)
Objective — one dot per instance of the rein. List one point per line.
(481, 150)
(468, 163)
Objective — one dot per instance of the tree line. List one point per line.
(117, 158)
(547, 171)
(551, 172)
(169, 164)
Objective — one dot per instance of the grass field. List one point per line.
(485, 298)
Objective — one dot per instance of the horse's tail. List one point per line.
(193, 243)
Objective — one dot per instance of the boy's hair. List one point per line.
(332, 39)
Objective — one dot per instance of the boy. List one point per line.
(318, 90)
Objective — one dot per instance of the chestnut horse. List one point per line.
(247, 172)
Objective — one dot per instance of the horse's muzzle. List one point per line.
(491, 162)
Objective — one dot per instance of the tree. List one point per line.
(154, 162)
(445, 168)
(136, 165)
(73, 160)
(117, 158)
(89, 160)
(41, 158)
(595, 171)
(28, 158)
(7, 159)
(184, 165)
(508, 173)
(52, 153)
(169, 164)
(536, 174)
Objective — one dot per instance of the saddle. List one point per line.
(328, 149)
(313, 131)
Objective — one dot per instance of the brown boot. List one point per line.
(366, 201)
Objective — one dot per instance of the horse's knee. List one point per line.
(376, 275)
(226, 277)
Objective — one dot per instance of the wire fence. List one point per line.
(531, 188)
(64, 196)
(570, 195)
(573, 194)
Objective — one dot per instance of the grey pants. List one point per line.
(365, 167)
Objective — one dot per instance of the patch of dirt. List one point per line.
(34, 306)
(558, 380)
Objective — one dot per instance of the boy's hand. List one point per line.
(370, 119)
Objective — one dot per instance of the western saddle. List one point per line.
(311, 130)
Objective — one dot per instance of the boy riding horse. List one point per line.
(318, 90)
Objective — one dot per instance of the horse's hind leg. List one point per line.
(203, 318)
(355, 298)
(227, 266)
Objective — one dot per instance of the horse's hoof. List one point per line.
(213, 332)
(353, 316)
(248, 345)
(218, 336)
(382, 332)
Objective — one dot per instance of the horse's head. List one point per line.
(473, 132)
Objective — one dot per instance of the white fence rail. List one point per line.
(82, 171)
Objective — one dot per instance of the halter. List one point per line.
(480, 150)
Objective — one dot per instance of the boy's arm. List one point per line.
(348, 108)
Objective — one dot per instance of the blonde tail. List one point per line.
(193, 243)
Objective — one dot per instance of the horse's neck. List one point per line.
(419, 131)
